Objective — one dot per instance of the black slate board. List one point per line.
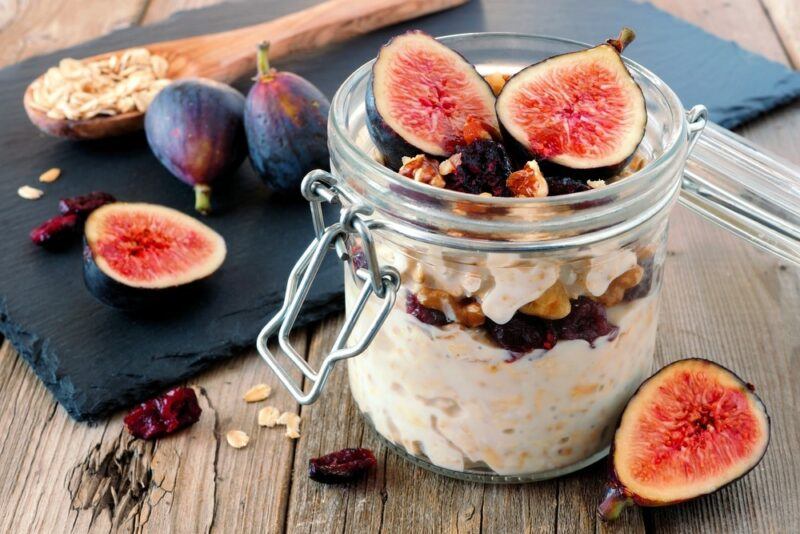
(95, 359)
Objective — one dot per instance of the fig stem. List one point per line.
(625, 37)
(202, 198)
(614, 502)
(263, 58)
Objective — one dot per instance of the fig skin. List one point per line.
(617, 496)
(286, 120)
(130, 298)
(392, 146)
(520, 153)
(195, 127)
(126, 298)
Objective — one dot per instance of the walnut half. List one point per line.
(467, 311)
(552, 304)
(423, 169)
(617, 288)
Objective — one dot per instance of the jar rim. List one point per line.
(343, 142)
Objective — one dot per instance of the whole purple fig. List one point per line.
(285, 120)
(195, 128)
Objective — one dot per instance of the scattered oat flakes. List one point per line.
(257, 393)
(268, 416)
(237, 439)
(50, 176)
(30, 193)
(292, 422)
(116, 84)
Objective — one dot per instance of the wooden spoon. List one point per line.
(229, 55)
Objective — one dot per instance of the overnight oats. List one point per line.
(504, 204)
(509, 365)
(506, 363)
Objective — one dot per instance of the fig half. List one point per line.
(581, 110)
(139, 255)
(420, 97)
(690, 429)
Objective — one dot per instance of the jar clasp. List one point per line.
(318, 187)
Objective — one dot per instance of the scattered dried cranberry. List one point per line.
(642, 289)
(587, 320)
(484, 169)
(563, 185)
(522, 334)
(57, 233)
(85, 204)
(164, 415)
(424, 314)
(341, 466)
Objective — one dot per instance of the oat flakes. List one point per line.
(268, 416)
(257, 393)
(50, 175)
(78, 90)
(30, 193)
(292, 423)
(237, 439)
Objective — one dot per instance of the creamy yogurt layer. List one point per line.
(452, 396)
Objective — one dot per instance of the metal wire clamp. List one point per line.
(318, 187)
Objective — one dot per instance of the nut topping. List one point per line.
(528, 182)
(616, 289)
(466, 311)
(449, 165)
(552, 304)
(496, 81)
(596, 184)
(423, 169)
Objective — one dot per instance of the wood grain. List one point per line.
(722, 299)
(31, 27)
(158, 10)
(785, 17)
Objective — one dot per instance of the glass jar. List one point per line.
(497, 339)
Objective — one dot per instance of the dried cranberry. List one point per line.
(341, 466)
(563, 185)
(484, 169)
(426, 315)
(522, 334)
(642, 289)
(57, 233)
(172, 411)
(587, 320)
(85, 204)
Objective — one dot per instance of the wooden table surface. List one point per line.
(722, 299)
